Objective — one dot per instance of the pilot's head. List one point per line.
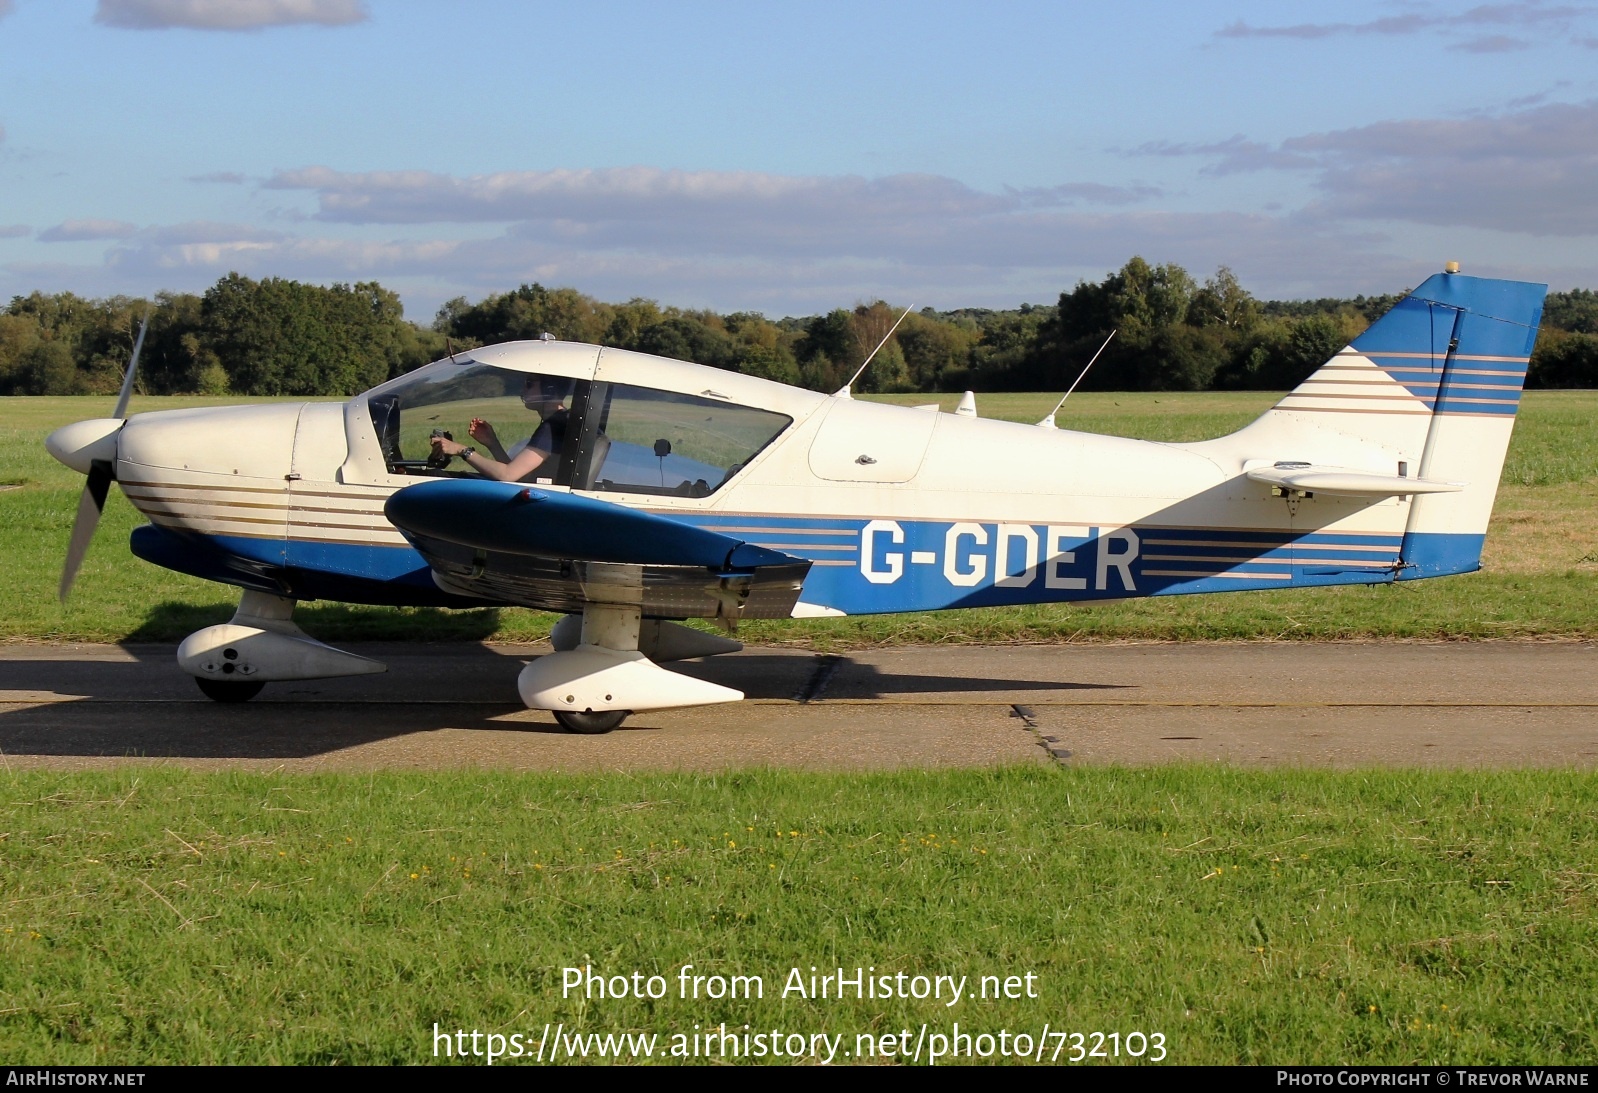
(545, 394)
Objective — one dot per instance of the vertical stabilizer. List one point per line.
(1429, 390)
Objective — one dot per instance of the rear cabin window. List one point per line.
(639, 440)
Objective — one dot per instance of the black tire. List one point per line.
(227, 690)
(590, 722)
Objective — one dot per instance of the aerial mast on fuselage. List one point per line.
(1048, 422)
(845, 391)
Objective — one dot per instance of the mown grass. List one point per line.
(158, 916)
(1540, 577)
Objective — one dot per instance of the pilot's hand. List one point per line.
(483, 432)
(447, 446)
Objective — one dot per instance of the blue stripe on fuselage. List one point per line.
(912, 565)
(345, 572)
(884, 566)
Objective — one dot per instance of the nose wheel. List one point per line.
(227, 690)
(590, 722)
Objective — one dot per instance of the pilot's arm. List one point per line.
(484, 434)
(518, 469)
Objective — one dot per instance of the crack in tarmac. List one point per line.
(826, 668)
(1051, 744)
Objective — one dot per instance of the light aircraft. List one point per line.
(666, 491)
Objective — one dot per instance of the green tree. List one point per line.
(826, 352)
(1141, 303)
(869, 324)
(18, 335)
(934, 349)
(47, 368)
(1575, 311)
(1224, 302)
(1008, 357)
(526, 314)
(1280, 354)
(685, 338)
(278, 337)
(1563, 359)
(764, 349)
(629, 321)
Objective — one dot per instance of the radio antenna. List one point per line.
(1048, 422)
(844, 391)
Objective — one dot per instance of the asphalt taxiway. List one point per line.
(1446, 704)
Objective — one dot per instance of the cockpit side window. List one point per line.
(520, 410)
(639, 440)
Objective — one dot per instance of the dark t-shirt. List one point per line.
(551, 435)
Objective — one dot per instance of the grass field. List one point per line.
(1384, 917)
(1540, 578)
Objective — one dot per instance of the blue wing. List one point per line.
(516, 544)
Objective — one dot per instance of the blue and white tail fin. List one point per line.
(1428, 391)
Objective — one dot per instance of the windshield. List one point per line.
(519, 408)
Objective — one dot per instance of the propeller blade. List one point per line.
(133, 366)
(90, 505)
(102, 472)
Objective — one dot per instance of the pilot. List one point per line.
(544, 396)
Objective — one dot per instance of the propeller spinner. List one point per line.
(90, 447)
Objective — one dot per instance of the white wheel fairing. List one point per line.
(593, 678)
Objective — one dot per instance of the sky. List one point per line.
(792, 158)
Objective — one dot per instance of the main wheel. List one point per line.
(589, 721)
(227, 690)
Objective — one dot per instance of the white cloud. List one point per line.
(208, 231)
(227, 14)
(1403, 24)
(1530, 16)
(14, 231)
(1492, 43)
(646, 209)
(232, 178)
(1533, 171)
(788, 244)
(1232, 155)
(620, 193)
(77, 231)
(5, 8)
(972, 255)
(1089, 193)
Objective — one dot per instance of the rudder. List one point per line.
(1431, 390)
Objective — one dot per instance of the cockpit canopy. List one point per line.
(607, 437)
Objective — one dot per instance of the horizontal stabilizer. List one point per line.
(511, 519)
(1306, 478)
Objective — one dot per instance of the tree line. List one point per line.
(282, 337)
